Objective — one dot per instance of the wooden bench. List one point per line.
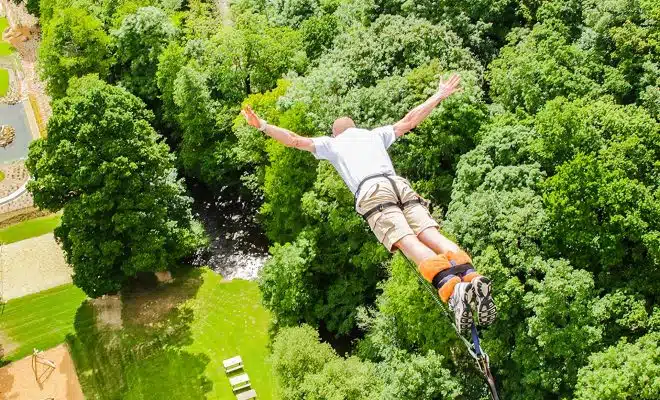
(250, 394)
(233, 364)
(239, 382)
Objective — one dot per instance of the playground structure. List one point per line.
(48, 374)
(41, 366)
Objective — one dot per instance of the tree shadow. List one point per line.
(146, 358)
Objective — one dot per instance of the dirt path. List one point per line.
(21, 381)
(223, 7)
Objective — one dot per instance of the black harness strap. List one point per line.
(454, 270)
(379, 208)
(388, 204)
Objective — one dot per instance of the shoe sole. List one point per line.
(485, 306)
(464, 320)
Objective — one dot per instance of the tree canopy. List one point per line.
(124, 208)
(74, 45)
(545, 169)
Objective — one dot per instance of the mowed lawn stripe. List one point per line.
(40, 320)
(27, 303)
(30, 228)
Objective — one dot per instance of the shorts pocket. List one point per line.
(363, 206)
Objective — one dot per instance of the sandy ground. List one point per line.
(32, 265)
(18, 380)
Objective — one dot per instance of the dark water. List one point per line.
(238, 247)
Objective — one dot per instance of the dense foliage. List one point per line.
(105, 166)
(546, 169)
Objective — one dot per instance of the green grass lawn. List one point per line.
(30, 228)
(173, 340)
(41, 320)
(5, 48)
(4, 82)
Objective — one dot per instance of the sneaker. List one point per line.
(459, 302)
(483, 301)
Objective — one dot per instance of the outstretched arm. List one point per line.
(284, 136)
(419, 113)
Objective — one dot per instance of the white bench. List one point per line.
(250, 394)
(239, 382)
(233, 364)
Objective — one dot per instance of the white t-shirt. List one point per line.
(357, 153)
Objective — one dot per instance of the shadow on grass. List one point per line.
(144, 359)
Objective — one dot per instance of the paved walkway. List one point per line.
(32, 265)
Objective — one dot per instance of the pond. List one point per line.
(14, 115)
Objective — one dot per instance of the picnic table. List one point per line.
(247, 395)
(239, 382)
(233, 364)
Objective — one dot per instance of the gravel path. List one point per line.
(32, 265)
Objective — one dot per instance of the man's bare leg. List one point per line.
(485, 307)
(436, 241)
(429, 263)
(414, 249)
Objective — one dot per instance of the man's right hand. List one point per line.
(251, 117)
(284, 136)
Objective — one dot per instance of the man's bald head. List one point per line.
(341, 124)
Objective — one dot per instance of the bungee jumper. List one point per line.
(396, 214)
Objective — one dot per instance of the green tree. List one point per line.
(608, 187)
(74, 44)
(540, 64)
(624, 35)
(419, 377)
(204, 82)
(318, 34)
(560, 332)
(124, 208)
(407, 318)
(623, 372)
(294, 12)
(139, 41)
(343, 379)
(32, 7)
(285, 283)
(297, 353)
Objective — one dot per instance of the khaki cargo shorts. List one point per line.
(392, 224)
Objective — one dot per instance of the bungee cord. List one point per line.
(474, 347)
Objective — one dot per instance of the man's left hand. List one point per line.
(450, 86)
